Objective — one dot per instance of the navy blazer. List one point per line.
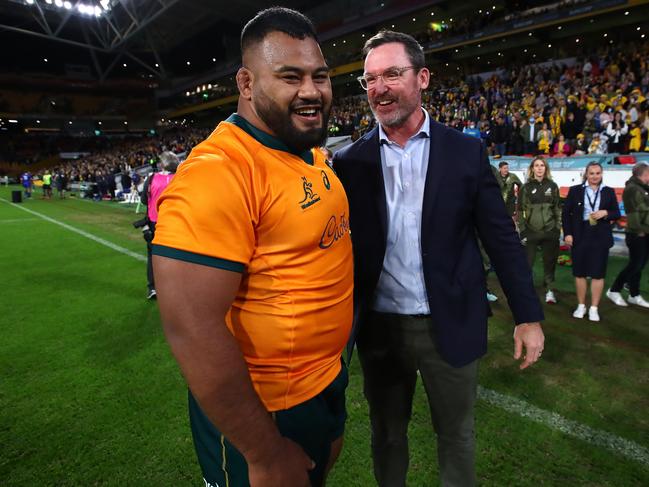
(572, 215)
(461, 198)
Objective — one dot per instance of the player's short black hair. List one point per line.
(276, 19)
(503, 163)
(413, 49)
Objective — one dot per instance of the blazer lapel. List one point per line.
(434, 175)
(370, 154)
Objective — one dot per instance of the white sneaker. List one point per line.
(549, 297)
(491, 297)
(616, 298)
(638, 300)
(593, 315)
(580, 312)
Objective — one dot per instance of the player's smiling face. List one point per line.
(291, 89)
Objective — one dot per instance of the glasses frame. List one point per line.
(363, 81)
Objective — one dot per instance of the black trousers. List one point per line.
(392, 349)
(149, 265)
(638, 256)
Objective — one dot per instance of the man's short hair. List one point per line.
(639, 169)
(276, 19)
(413, 49)
(502, 163)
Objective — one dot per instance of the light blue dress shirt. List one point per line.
(401, 288)
(595, 197)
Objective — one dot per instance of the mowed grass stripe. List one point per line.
(83, 233)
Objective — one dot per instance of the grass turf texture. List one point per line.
(90, 394)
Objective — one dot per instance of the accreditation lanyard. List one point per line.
(592, 202)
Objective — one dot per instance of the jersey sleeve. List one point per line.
(207, 214)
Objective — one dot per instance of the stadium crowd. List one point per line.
(594, 105)
(597, 105)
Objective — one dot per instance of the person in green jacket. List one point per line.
(47, 184)
(636, 206)
(539, 220)
(508, 183)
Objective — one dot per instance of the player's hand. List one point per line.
(528, 336)
(568, 240)
(288, 467)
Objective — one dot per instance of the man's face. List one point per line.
(395, 103)
(504, 170)
(290, 89)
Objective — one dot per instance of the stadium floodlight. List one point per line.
(97, 11)
(67, 5)
(58, 3)
(30, 2)
(11, 120)
(49, 2)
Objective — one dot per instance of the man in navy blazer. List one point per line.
(419, 195)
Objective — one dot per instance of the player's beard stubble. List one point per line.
(279, 120)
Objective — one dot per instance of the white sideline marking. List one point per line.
(80, 232)
(626, 448)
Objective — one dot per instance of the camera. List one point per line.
(147, 233)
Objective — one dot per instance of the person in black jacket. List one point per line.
(570, 130)
(419, 194)
(588, 213)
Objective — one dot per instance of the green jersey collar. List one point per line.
(267, 139)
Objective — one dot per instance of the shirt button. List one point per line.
(407, 184)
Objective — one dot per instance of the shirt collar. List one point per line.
(424, 130)
(267, 139)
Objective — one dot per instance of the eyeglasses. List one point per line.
(390, 76)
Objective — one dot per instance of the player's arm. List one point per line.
(194, 300)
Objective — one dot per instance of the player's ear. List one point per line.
(244, 82)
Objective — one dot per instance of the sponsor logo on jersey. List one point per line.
(334, 231)
(310, 198)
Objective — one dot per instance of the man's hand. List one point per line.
(530, 336)
(288, 467)
(568, 240)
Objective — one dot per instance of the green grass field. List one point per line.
(90, 395)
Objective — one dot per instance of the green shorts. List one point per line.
(313, 424)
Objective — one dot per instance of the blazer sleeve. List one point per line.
(567, 213)
(498, 235)
(612, 207)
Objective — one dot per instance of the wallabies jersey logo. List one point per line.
(310, 198)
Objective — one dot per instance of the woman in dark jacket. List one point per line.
(588, 214)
